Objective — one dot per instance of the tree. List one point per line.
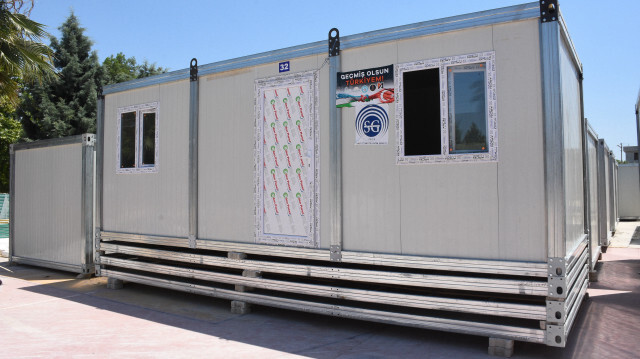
(22, 54)
(149, 69)
(10, 132)
(119, 68)
(65, 105)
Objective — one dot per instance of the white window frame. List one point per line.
(492, 119)
(140, 110)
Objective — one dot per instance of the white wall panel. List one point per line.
(370, 176)
(150, 203)
(226, 206)
(521, 161)
(628, 191)
(48, 204)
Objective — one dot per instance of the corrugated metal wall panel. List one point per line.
(521, 192)
(450, 210)
(150, 203)
(573, 171)
(370, 176)
(48, 204)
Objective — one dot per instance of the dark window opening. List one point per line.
(149, 138)
(421, 91)
(128, 140)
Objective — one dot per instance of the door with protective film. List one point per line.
(286, 188)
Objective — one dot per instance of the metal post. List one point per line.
(99, 161)
(87, 221)
(638, 129)
(193, 153)
(335, 145)
(12, 201)
(99, 180)
(586, 180)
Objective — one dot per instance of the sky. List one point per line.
(170, 33)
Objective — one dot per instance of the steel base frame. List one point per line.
(497, 299)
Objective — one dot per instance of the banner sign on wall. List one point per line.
(371, 86)
(372, 124)
(286, 163)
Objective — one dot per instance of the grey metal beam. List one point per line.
(426, 322)
(534, 269)
(485, 307)
(12, 200)
(193, 153)
(87, 221)
(99, 162)
(455, 282)
(335, 149)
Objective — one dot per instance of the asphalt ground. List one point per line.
(51, 314)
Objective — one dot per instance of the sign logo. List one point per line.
(372, 124)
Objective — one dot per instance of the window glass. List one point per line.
(422, 112)
(148, 138)
(128, 140)
(467, 108)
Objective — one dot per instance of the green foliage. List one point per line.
(119, 68)
(23, 57)
(65, 105)
(147, 69)
(10, 132)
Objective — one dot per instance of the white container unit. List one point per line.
(428, 175)
(52, 198)
(629, 192)
(594, 189)
(607, 189)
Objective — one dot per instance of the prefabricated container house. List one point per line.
(607, 183)
(593, 194)
(52, 201)
(429, 175)
(628, 192)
